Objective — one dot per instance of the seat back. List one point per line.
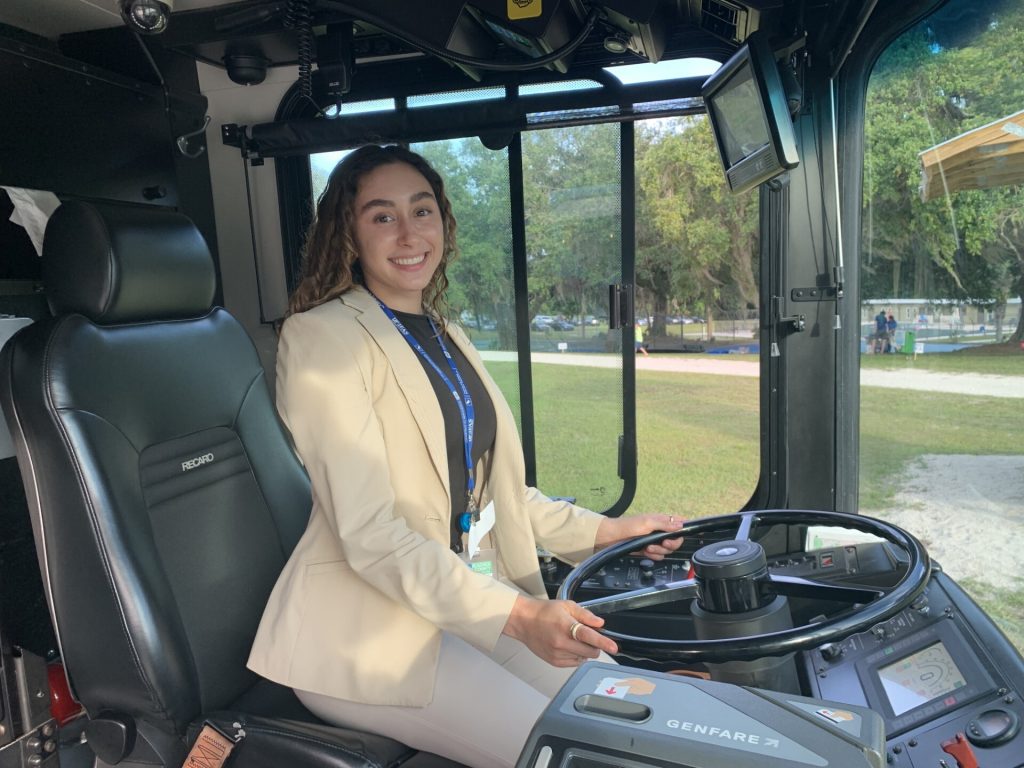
(165, 496)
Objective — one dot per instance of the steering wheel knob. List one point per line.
(731, 576)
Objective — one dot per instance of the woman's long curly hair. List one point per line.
(330, 260)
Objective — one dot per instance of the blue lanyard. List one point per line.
(465, 402)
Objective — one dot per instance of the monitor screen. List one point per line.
(920, 678)
(749, 113)
(737, 108)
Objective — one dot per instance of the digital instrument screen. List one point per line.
(920, 677)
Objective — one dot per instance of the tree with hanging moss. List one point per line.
(936, 83)
(702, 243)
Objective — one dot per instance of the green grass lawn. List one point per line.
(697, 437)
(1008, 362)
(1004, 606)
(698, 434)
(698, 444)
(897, 426)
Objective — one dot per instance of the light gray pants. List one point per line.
(483, 709)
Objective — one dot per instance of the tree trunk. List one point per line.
(583, 313)
(1018, 335)
(1017, 288)
(660, 308)
(922, 273)
(709, 321)
(504, 314)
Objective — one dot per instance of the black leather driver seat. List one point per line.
(165, 497)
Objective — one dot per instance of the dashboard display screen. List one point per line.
(920, 678)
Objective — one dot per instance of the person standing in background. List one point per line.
(638, 339)
(881, 333)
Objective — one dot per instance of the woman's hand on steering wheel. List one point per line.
(615, 529)
(561, 632)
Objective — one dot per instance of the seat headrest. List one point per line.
(119, 264)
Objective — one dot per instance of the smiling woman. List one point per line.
(391, 201)
(381, 396)
(590, 197)
(400, 235)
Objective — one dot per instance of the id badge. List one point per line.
(480, 528)
(485, 562)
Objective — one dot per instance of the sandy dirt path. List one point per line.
(968, 511)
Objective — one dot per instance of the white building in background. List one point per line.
(946, 313)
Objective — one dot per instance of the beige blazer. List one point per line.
(358, 608)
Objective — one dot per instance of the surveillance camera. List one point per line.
(246, 69)
(148, 17)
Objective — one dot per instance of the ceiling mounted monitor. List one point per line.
(750, 116)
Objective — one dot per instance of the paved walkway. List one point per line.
(931, 381)
(957, 383)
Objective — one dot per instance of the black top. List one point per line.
(484, 427)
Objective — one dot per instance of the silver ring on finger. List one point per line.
(574, 629)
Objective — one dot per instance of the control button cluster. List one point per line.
(993, 727)
(40, 746)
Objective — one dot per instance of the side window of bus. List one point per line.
(571, 186)
(942, 277)
(697, 273)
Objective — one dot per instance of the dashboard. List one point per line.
(946, 682)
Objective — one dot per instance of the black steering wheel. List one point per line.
(735, 578)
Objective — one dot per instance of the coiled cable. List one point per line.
(299, 17)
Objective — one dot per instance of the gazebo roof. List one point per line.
(989, 156)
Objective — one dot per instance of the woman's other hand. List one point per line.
(615, 529)
(558, 631)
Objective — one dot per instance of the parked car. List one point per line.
(562, 325)
(542, 322)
